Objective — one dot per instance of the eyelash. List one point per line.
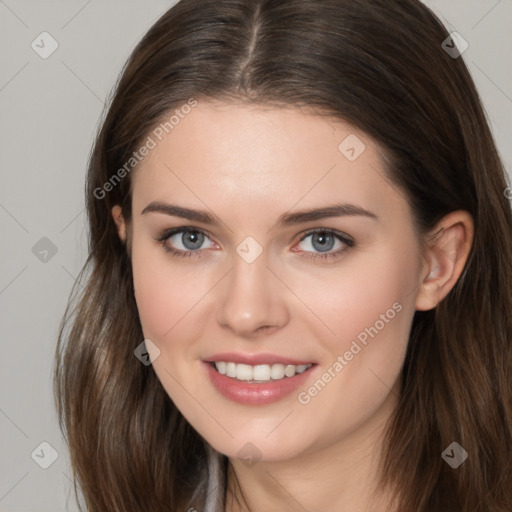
(165, 235)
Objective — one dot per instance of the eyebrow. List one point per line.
(286, 219)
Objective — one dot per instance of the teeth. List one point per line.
(277, 371)
(231, 369)
(221, 368)
(243, 372)
(260, 372)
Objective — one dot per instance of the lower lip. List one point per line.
(247, 393)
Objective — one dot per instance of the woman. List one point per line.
(298, 288)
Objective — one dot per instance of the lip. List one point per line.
(247, 393)
(254, 359)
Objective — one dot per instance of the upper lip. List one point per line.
(254, 359)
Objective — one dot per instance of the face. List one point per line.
(336, 290)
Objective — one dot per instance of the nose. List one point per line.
(252, 299)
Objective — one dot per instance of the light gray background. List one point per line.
(49, 112)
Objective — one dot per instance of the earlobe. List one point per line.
(120, 223)
(448, 253)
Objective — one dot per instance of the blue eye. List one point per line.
(191, 239)
(323, 240)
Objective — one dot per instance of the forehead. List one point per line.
(263, 160)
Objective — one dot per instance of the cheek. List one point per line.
(382, 309)
(169, 302)
(368, 308)
(166, 293)
(156, 300)
(360, 293)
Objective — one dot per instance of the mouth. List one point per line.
(258, 384)
(258, 378)
(260, 373)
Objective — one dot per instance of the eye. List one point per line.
(324, 241)
(188, 241)
(183, 241)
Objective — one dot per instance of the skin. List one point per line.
(248, 166)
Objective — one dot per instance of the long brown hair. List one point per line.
(380, 65)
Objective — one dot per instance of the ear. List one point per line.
(120, 223)
(448, 250)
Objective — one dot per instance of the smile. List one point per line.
(260, 384)
(260, 373)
